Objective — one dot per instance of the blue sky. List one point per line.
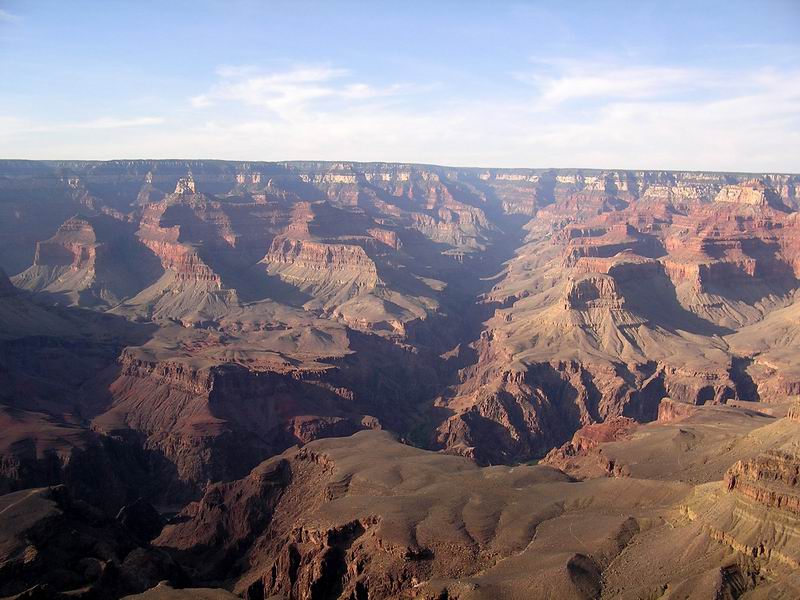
(674, 85)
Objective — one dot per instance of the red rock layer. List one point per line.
(163, 240)
(670, 411)
(771, 479)
(582, 456)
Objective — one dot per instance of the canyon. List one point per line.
(312, 380)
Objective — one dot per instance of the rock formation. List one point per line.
(89, 261)
(52, 543)
(169, 326)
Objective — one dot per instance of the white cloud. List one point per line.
(560, 82)
(7, 17)
(628, 82)
(113, 123)
(288, 94)
(12, 125)
(201, 101)
(567, 115)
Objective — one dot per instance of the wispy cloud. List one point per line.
(289, 94)
(115, 123)
(7, 17)
(561, 113)
(12, 125)
(624, 82)
(672, 117)
(563, 81)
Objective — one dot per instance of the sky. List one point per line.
(695, 85)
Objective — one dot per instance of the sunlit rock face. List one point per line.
(171, 325)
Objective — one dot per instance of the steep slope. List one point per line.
(385, 520)
(55, 367)
(347, 266)
(19, 316)
(51, 543)
(770, 349)
(246, 310)
(90, 261)
(189, 290)
(609, 306)
(628, 286)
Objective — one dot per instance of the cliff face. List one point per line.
(582, 456)
(504, 309)
(326, 271)
(90, 261)
(215, 422)
(598, 319)
(641, 280)
(770, 479)
(756, 512)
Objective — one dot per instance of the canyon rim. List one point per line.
(306, 300)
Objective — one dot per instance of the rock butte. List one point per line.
(307, 370)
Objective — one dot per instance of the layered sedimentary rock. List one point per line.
(90, 261)
(451, 531)
(670, 411)
(189, 289)
(331, 273)
(214, 422)
(55, 366)
(572, 456)
(769, 349)
(241, 309)
(756, 512)
(770, 479)
(646, 292)
(754, 192)
(627, 286)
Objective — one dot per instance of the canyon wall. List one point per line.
(539, 301)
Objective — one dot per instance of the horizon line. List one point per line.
(395, 163)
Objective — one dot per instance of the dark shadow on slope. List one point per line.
(746, 388)
(655, 299)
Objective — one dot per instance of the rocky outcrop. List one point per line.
(367, 517)
(214, 423)
(163, 239)
(794, 412)
(73, 245)
(90, 261)
(771, 479)
(594, 291)
(52, 543)
(315, 267)
(522, 414)
(583, 457)
(670, 411)
(186, 185)
(753, 193)
(755, 511)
